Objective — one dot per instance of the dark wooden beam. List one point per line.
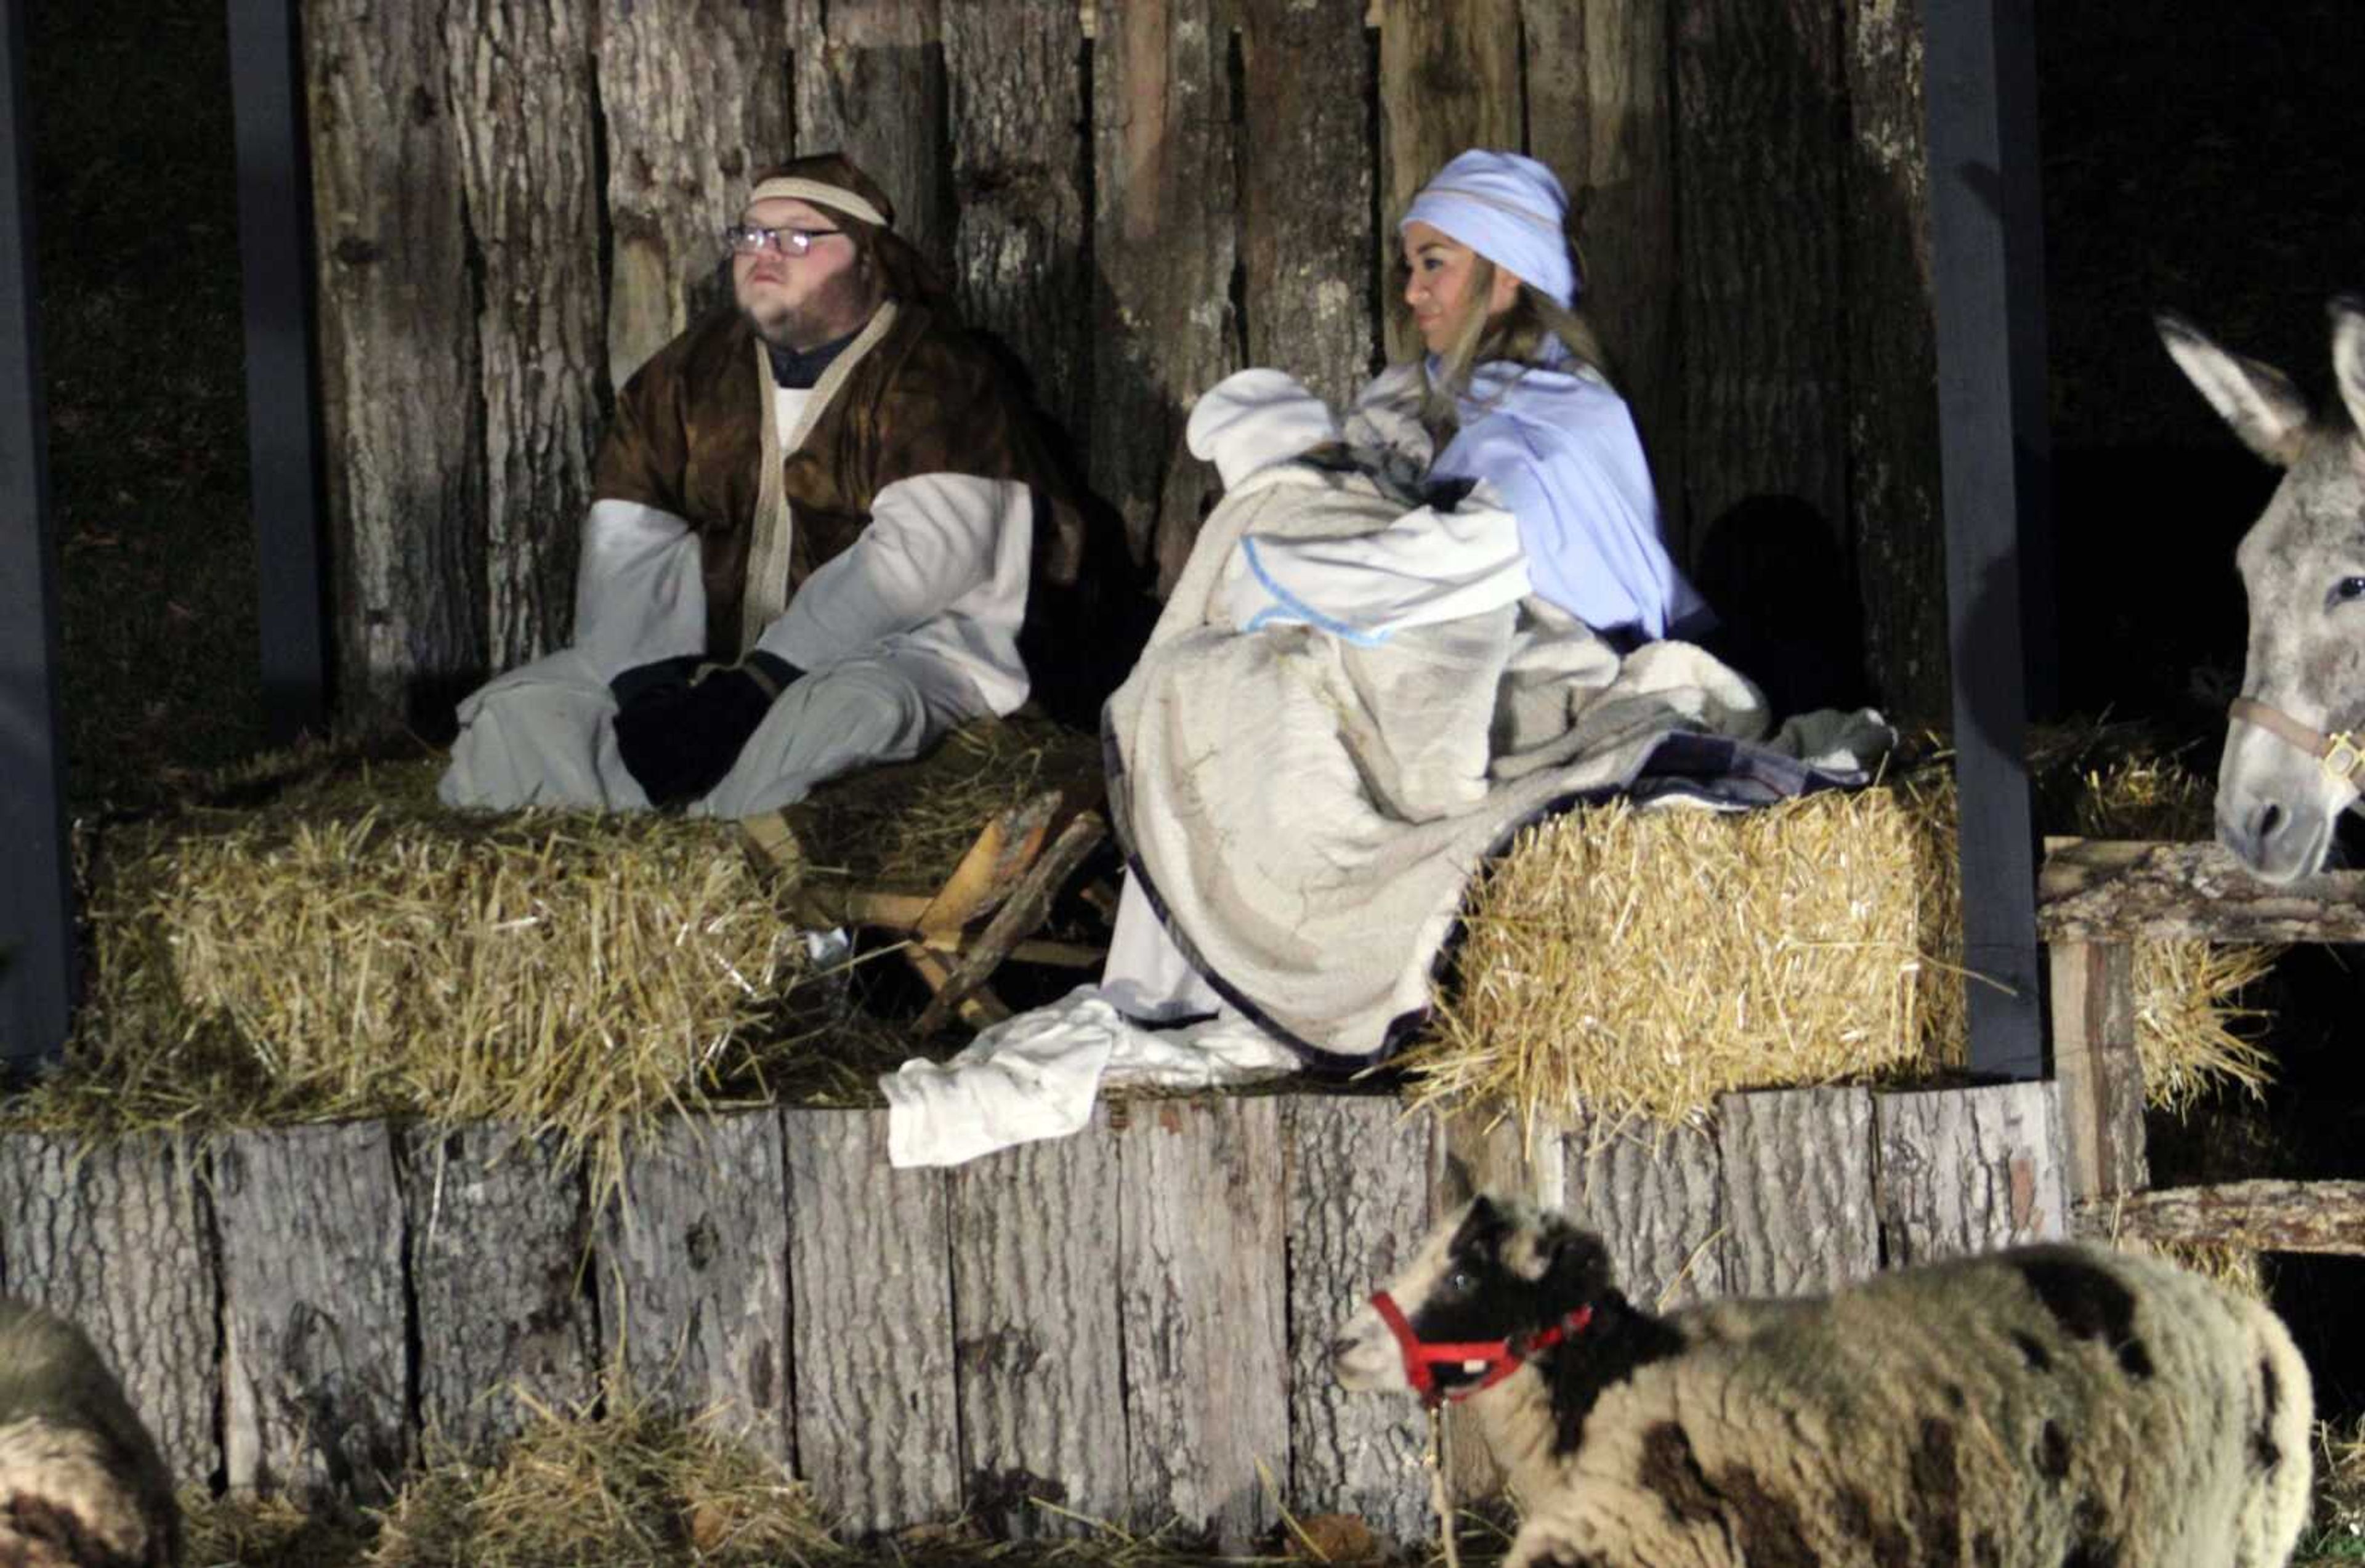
(37, 958)
(282, 411)
(1987, 253)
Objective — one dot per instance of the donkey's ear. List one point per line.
(2260, 401)
(2349, 354)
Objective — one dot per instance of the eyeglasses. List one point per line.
(746, 239)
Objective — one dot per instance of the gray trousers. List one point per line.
(543, 734)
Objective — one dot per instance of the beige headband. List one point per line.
(834, 198)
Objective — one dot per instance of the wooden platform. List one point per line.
(1131, 1322)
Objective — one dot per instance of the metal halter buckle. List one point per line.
(2342, 757)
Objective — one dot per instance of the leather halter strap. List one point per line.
(1498, 1359)
(2341, 754)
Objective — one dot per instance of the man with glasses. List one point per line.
(820, 521)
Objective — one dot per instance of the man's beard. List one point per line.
(811, 322)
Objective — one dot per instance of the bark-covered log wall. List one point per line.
(1131, 1323)
(516, 201)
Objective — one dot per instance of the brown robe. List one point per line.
(691, 427)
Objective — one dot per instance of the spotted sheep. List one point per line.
(81, 1483)
(2057, 1406)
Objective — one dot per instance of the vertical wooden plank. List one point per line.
(498, 1231)
(115, 1238)
(1199, 1235)
(1359, 1207)
(1039, 1353)
(1164, 244)
(1014, 81)
(694, 1246)
(1892, 430)
(1968, 1170)
(314, 1330)
(1760, 122)
(2097, 1068)
(1597, 112)
(1657, 1197)
(39, 983)
(283, 445)
(871, 1327)
(870, 83)
(1486, 1148)
(1305, 192)
(695, 98)
(398, 360)
(1987, 260)
(521, 96)
(1449, 81)
(1797, 1177)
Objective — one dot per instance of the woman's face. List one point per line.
(1437, 288)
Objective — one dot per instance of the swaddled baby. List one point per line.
(1347, 538)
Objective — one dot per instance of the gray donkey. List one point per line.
(2293, 760)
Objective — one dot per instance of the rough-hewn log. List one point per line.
(1968, 1170)
(870, 83)
(1359, 1204)
(1597, 112)
(314, 1322)
(522, 102)
(1449, 80)
(695, 99)
(2261, 1216)
(694, 1292)
(1760, 124)
(1305, 191)
(115, 1236)
(1657, 1199)
(1164, 245)
(1039, 1351)
(2096, 1064)
(398, 363)
(1796, 1178)
(877, 1431)
(1200, 1226)
(2098, 889)
(1892, 414)
(497, 1233)
(1014, 81)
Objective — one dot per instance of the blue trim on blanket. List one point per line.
(1300, 609)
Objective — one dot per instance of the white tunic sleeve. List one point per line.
(943, 565)
(638, 593)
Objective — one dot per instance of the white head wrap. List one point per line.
(836, 198)
(1509, 210)
(1252, 418)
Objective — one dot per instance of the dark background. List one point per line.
(2198, 157)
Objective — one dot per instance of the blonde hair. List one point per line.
(1518, 336)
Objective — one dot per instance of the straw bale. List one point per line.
(343, 946)
(1625, 963)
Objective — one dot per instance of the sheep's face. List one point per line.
(1496, 1268)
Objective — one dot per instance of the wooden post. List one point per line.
(2095, 1063)
(694, 1299)
(1657, 1198)
(1199, 1237)
(117, 1238)
(1968, 1170)
(1039, 1349)
(283, 421)
(38, 976)
(1798, 1190)
(870, 83)
(1988, 256)
(1357, 1176)
(497, 1238)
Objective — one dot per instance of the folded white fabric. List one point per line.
(1253, 419)
(1037, 1076)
